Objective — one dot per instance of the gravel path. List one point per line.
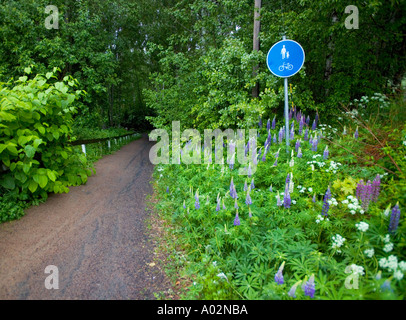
(95, 234)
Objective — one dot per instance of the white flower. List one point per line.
(310, 189)
(222, 275)
(357, 269)
(402, 265)
(398, 275)
(388, 247)
(352, 211)
(337, 241)
(317, 221)
(362, 226)
(386, 239)
(369, 252)
(294, 201)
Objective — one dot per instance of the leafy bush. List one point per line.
(35, 133)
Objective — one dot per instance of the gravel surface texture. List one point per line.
(96, 235)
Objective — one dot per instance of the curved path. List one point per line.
(95, 235)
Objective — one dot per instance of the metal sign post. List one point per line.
(284, 60)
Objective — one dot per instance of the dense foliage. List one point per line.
(35, 133)
(304, 225)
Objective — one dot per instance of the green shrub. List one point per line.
(35, 133)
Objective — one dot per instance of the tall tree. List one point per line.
(257, 28)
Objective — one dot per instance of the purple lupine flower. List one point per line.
(167, 189)
(245, 185)
(326, 205)
(314, 198)
(292, 133)
(224, 207)
(356, 133)
(277, 154)
(235, 193)
(394, 218)
(218, 204)
(236, 219)
(231, 187)
(325, 153)
(260, 123)
(268, 125)
(235, 203)
(252, 184)
(376, 186)
(287, 180)
(248, 200)
(274, 138)
(301, 123)
(278, 200)
(386, 286)
(299, 153)
(249, 173)
(280, 137)
(314, 125)
(297, 145)
(197, 203)
(292, 291)
(279, 275)
(309, 287)
(264, 157)
(359, 189)
(316, 118)
(270, 189)
(276, 162)
(306, 135)
(314, 144)
(286, 197)
(308, 120)
(273, 123)
(364, 194)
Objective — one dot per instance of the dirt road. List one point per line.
(95, 235)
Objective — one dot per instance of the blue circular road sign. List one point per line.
(285, 58)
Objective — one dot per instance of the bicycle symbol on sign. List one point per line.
(286, 66)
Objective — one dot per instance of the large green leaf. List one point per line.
(30, 151)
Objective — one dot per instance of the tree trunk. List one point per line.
(257, 27)
(329, 59)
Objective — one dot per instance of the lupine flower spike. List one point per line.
(309, 287)
(278, 200)
(236, 219)
(356, 133)
(326, 204)
(394, 218)
(292, 291)
(248, 200)
(197, 204)
(325, 153)
(218, 204)
(279, 275)
(299, 153)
